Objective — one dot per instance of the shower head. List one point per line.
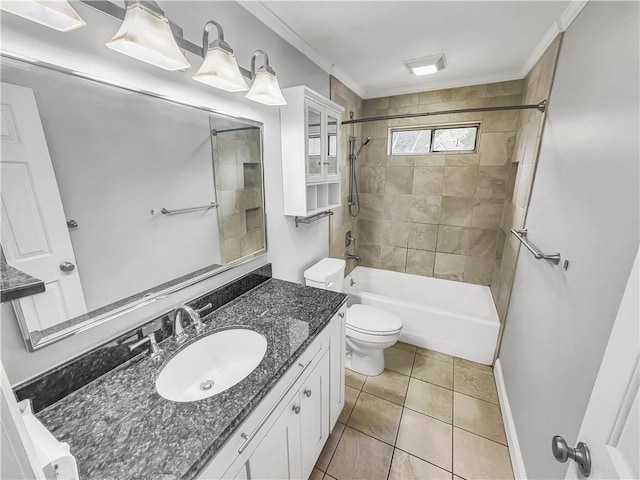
(364, 144)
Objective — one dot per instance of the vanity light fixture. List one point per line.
(265, 88)
(145, 34)
(220, 67)
(58, 15)
(426, 65)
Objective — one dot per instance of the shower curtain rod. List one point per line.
(541, 107)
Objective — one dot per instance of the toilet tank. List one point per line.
(327, 274)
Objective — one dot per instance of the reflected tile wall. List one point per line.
(438, 215)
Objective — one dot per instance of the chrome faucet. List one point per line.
(194, 315)
(348, 256)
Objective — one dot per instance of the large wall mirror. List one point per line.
(116, 197)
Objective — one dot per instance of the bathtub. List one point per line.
(450, 317)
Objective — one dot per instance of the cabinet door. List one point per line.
(333, 146)
(315, 151)
(278, 455)
(314, 415)
(337, 351)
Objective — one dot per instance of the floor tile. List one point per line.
(443, 357)
(354, 379)
(360, 456)
(430, 399)
(330, 447)
(316, 474)
(328, 477)
(475, 384)
(398, 360)
(389, 385)
(426, 438)
(433, 371)
(461, 362)
(350, 397)
(408, 467)
(376, 417)
(479, 417)
(405, 346)
(475, 457)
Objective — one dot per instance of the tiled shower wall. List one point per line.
(438, 215)
(341, 222)
(537, 87)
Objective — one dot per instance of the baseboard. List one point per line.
(517, 462)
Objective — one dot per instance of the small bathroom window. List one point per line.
(425, 140)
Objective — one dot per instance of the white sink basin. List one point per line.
(211, 365)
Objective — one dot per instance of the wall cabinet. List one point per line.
(310, 126)
(285, 434)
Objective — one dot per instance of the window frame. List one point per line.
(433, 128)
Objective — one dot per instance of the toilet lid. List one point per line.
(366, 318)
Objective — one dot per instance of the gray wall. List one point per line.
(291, 250)
(584, 204)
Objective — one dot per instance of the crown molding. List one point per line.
(560, 25)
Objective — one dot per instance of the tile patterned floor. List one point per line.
(429, 416)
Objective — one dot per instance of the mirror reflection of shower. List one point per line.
(353, 200)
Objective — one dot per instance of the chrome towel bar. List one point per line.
(522, 236)
(166, 211)
(313, 218)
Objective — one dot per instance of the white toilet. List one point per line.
(369, 329)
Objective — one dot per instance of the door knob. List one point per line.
(581, 454)
(67, 266)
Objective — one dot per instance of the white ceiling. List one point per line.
(364, 43)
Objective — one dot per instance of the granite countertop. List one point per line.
(119, 427)
(16, 284)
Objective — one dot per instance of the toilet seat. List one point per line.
(368, 320)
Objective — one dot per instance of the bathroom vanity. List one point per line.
(272, 424)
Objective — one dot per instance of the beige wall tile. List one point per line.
(513, 87)
(495, 147)
(397, 207)
(393, 258)
(433, 160)
(426, 209)
(371, 232)
(456, 211)
(428, 180)
(462, 160)
(482, 242)
(396, 234)
(435, 96)
(398, 180)
(420, 262)
(478, 270)
(449, 266)
(371, 206)
(400, 161)
(469, 93)
(369, 255)
(381, 103)
(487, 213)
(400, 101)
(452, 239)
(422, 236)
(371, 179)
(460, 181)
(501, 121)
(492, 181)
(524, 183)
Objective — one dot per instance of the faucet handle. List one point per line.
(203, 309)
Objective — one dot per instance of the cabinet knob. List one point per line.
(307, 392)
(296, 408)
(341, 314)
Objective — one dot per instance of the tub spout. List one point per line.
(348, 256)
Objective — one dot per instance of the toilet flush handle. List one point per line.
(330, 284)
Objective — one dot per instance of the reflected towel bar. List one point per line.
(522, 236)
(313, 218)
(166, 211)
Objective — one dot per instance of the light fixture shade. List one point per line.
(146, 36)
(265, 89)
(426, 65)
(58, 15)
(220, 70)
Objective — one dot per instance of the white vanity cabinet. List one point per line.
(310, 126)
(284, 435)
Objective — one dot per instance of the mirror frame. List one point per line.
(152, 297)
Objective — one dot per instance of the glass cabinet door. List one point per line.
(333, 141)
(315, 150)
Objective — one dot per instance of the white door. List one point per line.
(611, 423)
(34, 233)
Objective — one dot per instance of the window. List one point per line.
(423, 140)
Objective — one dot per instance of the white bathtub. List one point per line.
(450, 317)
